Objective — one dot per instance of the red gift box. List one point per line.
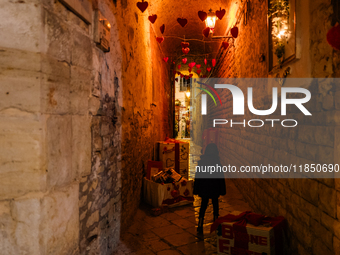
(250, 233)
(174, 154)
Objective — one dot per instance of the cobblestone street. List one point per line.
(174, 232)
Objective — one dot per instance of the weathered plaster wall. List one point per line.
(60, 131)
(311, 206)
(146, 114)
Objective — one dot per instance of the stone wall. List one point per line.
(146, 114)
(60, 131)
(311, 206)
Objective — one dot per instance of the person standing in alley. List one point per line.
(209, 186)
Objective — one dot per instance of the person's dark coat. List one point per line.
(206, 184)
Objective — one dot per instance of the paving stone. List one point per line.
(183, 223)
(156, 221)
(169, 252)
(169, 216)
(185, 212)
(181, 239)
(198, 248)
(157, 245)
(167, 230)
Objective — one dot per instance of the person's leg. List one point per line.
(215, 207)
(204, 205)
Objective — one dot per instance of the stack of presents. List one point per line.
(166, 182)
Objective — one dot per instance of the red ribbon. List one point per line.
(278, 223)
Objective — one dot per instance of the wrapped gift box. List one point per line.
(256, 241)
(241, 237)
(177, 194)
(174, 154)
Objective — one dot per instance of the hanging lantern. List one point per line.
(211, 20)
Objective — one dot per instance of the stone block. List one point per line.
(309, 190)
(81, 145)
(55, 95)
(94, 105)
(324, 136)
(81, 50)
(338, 205)
(57, 32)
(26, 19)
(7, 242)
(20, 89)
(336, 245)
(337, 100)
(80, 87)
(20, 59)
(59, 150)
(94, 218)
(325, 155)
(26, 212)
(20, 153)
(327, 200)
(60, 221)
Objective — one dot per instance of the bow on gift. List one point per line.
(241, 221)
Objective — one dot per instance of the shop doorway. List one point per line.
(183, 109)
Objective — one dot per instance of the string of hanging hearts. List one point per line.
(143, 5)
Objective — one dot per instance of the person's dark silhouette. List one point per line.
(209, 185)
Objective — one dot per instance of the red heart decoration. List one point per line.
(234, 32)
(182, 75)
(198, 66)
(185, 44)
(190, 70)
(220, 14)
(213, 62)
(166, 59)
(187, 77)
(185, 50)
(184, 60)
(198, 71)
(206, 32)
(160, 39)
(173, 62)
(142, 6)
(225, 45)
(152, 18)
(190, 75)
(179, 72)
(208, 69)
(176, 79)
(333, 37)
(202, 15)
(182, 22)
(205, 61)
(192, 64)
(162, 28)
(179, 67)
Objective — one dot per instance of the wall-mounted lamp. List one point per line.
(210, 21)
(187, 94)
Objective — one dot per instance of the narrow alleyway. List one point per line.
(88, 93)
(174, 232)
